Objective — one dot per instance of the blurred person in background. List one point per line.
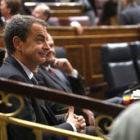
(9, 8)
(42, 11)
(131, 14)
(88, 11)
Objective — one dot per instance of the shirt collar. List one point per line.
(27, 71)
(48, 67)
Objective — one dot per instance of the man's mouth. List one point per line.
(43, 54)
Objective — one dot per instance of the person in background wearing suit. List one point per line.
(9, 8)
(42, 11)
(26, 41)
(64, 77)
(88, 10)
(131, 14)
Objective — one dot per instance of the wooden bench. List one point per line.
(57, 5)
(93, 30)
(62, 10)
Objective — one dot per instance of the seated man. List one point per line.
(26, 41)
(42, 11)
(62, 77)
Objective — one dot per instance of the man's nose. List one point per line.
(46, 45)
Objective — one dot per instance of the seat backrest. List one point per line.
(60, 52)
(135, 49)
(83, 20)
(118, 66)
(2, 55)
(54, 21)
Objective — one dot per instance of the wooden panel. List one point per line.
(76, 56)
(98, 30)
(61, 30)
(66, 5)
(2, 45)
(92, 44)
(95, 63)
(64, 13)
(57, 5)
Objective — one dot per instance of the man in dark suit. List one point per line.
(26, 40)
(130, 15)
(64, 78)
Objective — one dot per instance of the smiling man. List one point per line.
(62, 76)
(26, 40)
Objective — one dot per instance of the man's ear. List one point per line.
(46, 17)
(17, 43)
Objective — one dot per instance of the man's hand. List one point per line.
(89, 116)
(78, 121)
(63, 65)
(78, 26)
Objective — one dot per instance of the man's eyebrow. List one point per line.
(40, 35)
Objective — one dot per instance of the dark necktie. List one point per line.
(34, 80)
(52, 73)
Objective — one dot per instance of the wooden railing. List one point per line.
(20, 88)
(42, 92)
(38, 129)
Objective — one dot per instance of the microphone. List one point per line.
(128, 91)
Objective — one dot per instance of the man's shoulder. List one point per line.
(11, 69)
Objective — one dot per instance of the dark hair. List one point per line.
(14, 5)
(19, 25)
(47, 12)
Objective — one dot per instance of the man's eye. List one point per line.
(39, 39)
(51, 46)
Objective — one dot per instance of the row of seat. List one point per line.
(83, 20)
(63, 13)
(121, 66)
(65, 9)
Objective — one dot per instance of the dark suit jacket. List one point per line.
(34, 110)
(60, 82)
(130, 15)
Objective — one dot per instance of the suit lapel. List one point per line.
(16, 64)
(62, 80)
(57, 80)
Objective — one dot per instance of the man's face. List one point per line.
(38, 12)
(35, 48)
(50, 57)
(4, 9)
